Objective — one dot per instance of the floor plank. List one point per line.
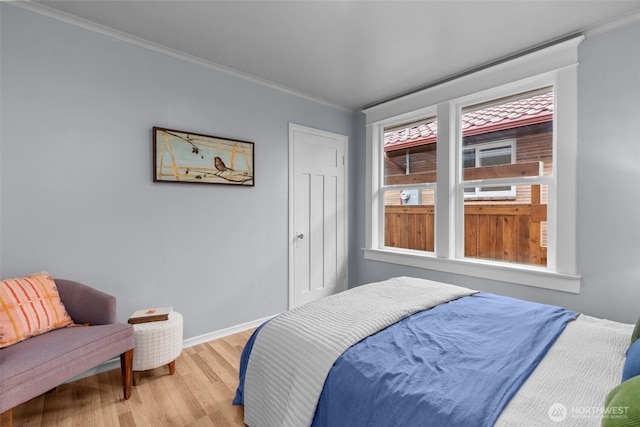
(199, 394)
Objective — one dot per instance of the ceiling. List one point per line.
(351, 54)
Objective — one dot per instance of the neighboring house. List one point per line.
(508, 138)
(515, 132)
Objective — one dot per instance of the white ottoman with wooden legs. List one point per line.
(157, 344)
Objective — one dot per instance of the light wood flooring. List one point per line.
(198, 394)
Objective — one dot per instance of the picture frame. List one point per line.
(195, 158)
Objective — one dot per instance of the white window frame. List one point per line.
(555, 66)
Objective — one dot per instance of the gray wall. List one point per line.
(76, 191)
(76, 197)
(608, 189)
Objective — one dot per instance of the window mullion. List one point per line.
(445, 222)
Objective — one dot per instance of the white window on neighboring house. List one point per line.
(485, 155)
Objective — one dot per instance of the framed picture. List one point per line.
(189, 157)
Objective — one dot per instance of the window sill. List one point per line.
(523, 275)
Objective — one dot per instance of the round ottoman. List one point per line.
(157, 343)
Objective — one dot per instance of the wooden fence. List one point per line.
(497, 231)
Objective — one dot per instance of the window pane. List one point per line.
(490, 191)
(469, 159)
(410, 153)
(409, 215)
(510, 137)
(500, 155)
(509, 231)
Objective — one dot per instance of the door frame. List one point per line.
(291, 238)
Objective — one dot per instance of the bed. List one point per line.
(414, 352)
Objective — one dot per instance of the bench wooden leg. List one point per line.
(172, 367)
(6, 418)
(126, 366)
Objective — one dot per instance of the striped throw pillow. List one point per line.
(30, 306)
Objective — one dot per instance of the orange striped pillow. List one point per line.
(30, 306)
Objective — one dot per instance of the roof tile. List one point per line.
(509, 115)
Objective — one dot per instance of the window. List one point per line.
(410, 165)
(480, 178)
(507, 222)
(487, 155)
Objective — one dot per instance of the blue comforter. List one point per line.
(457, 364)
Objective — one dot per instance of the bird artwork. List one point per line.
(190, 157)
(220, 166)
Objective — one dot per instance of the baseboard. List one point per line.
(190, 342)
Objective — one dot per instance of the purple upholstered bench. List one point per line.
(38, 364)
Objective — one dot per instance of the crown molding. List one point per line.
(121, 36)
(612, 24)
(158, 48)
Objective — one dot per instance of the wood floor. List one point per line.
(198, 394)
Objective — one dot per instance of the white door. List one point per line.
(318, 214)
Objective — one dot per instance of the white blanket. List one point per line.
(569, 386)
(294, 352)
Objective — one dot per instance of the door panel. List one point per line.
(318, 214)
